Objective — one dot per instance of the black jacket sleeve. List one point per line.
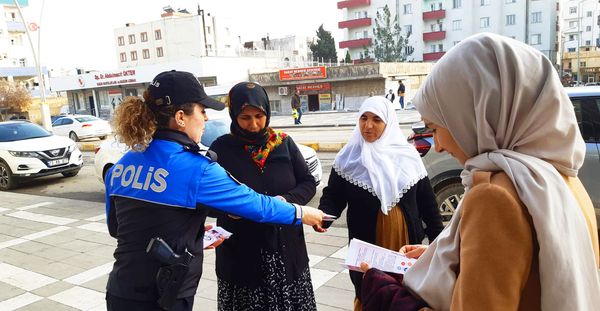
(428, 208)
(306, 187)
(334, 200)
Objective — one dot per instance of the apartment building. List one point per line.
(437, 25)
(164, 41)
(580, 40)
(16, 58)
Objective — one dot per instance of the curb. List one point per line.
(322, 147)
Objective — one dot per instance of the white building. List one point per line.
(579, 17)
(176, 36)
(437, 25)
(292, 49)
(16, 58)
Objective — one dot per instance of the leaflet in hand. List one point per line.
(377, 257)
(212, 235)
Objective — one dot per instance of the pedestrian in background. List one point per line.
(401, 91)
(164, 188)
(524, 236)
(296, 107)
(390, 96)
(269, 162)
(384, 184)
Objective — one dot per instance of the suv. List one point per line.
(444, 170)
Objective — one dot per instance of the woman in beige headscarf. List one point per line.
(524, 236)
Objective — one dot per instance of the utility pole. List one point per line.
(201, 13)
(45, 110)
(578, 41)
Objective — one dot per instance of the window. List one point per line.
(432, 48)
(365, 34)
(588, 42)
(511, 1)
(457, 24)
(456, 4)
(123, 57)
(588, 117)
(588, 28)
(510, 19)
(441, 47)
(485, 2)
(484, 22)
(408, 28)
(275, 105)
(536, 17)
(536, 39)
(571, 50)
(144, 36)
(407, 9)
(208, 30)
(589, 13)
(572, 37)
(582, 64)
(121, 40)
(573, 24)
(22, 62)
(159, 52)
(131, 39)
(573, 10)
(146, 53)
(133, 55)
(157, 34)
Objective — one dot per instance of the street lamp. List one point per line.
(45, 110)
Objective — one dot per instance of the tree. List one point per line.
(348, 58)
(13, 98)
(389, 45)
(325, 46)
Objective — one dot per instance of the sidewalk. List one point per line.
(55, 254)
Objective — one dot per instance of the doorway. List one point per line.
(313, 102)
(92, 106)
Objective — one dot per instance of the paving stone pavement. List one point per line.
(55, 254)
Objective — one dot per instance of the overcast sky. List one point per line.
(79, 33)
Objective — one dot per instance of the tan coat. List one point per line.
(492, 257)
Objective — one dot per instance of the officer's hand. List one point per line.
(311, 216)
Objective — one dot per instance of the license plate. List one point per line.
(58, 162)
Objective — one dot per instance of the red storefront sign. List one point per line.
(302, 73)
(314, 87)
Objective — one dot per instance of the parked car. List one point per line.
(110, 151)
(28, 151)
(79, 127)
(444, 170)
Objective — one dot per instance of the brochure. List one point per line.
(212, 235)
(377, 257)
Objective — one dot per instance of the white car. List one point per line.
(79, 127)
(28, 151)
(110, 151)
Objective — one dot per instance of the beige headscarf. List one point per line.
(503, 103)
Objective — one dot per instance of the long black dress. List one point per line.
(263, 266)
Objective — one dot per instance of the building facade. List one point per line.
(437, 25)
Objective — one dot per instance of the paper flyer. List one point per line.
(212, 235)
(377, 257)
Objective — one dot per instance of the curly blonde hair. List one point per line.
(134, 122)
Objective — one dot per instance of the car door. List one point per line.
(587, 111)
(58, 128)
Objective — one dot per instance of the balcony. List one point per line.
(439, 14)
(434, 36)
(353, 4)
(429, 57)
(358, 43)
(353, 23)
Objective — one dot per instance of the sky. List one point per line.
(79, 33)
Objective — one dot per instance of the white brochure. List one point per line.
(212, 235)
(377, 257)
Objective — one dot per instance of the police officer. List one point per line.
(164, 188)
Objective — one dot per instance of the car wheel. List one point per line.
(73, 136)
(71, 173)
(448, 198)
(7, 181)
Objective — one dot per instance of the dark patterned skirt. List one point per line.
(275, 293)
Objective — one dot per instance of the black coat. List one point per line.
(285, 173)
(418, 205)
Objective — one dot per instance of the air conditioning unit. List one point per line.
(282, 90)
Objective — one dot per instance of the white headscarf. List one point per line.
(387, 167)
(503, 103)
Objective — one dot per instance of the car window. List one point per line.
(86, 119)
(588, 117)
(213, 129)
(57, 122)
(21, 131)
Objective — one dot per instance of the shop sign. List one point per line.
(590, 69)
(115, 78)
(314, 87)
(302, 73)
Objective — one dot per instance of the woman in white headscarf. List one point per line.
(382, 180)
(524, 237)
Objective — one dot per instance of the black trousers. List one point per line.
(114, 303)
